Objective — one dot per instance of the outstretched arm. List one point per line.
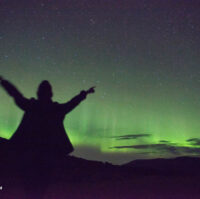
(75, 101)
(20, 100)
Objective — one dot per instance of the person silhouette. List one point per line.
(42, 126)
(40, 139)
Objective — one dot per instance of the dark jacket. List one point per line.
(42, 126)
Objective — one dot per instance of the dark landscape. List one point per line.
(74, 178)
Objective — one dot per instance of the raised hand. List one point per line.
(91, 90)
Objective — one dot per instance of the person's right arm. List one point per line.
(20, 100)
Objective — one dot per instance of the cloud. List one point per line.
(131, 136)
(152, 147)
(164, 141)
(194, 141)
(170, 149)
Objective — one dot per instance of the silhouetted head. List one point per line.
(44, 90)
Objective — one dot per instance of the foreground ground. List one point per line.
(81, 179)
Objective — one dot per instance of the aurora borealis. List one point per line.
(142, 56)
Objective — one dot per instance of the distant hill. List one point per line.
(179, 165)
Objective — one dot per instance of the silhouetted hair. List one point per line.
(44, 90)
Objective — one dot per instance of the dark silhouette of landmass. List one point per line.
(75, 178)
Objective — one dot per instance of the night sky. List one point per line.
(143, 56)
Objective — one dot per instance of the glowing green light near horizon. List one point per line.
(90, 125)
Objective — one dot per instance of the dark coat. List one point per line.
(42, 126)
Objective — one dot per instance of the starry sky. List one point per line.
(142, 56)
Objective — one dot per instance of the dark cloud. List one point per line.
(152, 147)
(170, 149)
(131, 136)
(164, 141)
(194, 141)
(190, 150)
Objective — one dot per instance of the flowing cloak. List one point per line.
(42, 126)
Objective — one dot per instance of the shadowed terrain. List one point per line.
(74, 178)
